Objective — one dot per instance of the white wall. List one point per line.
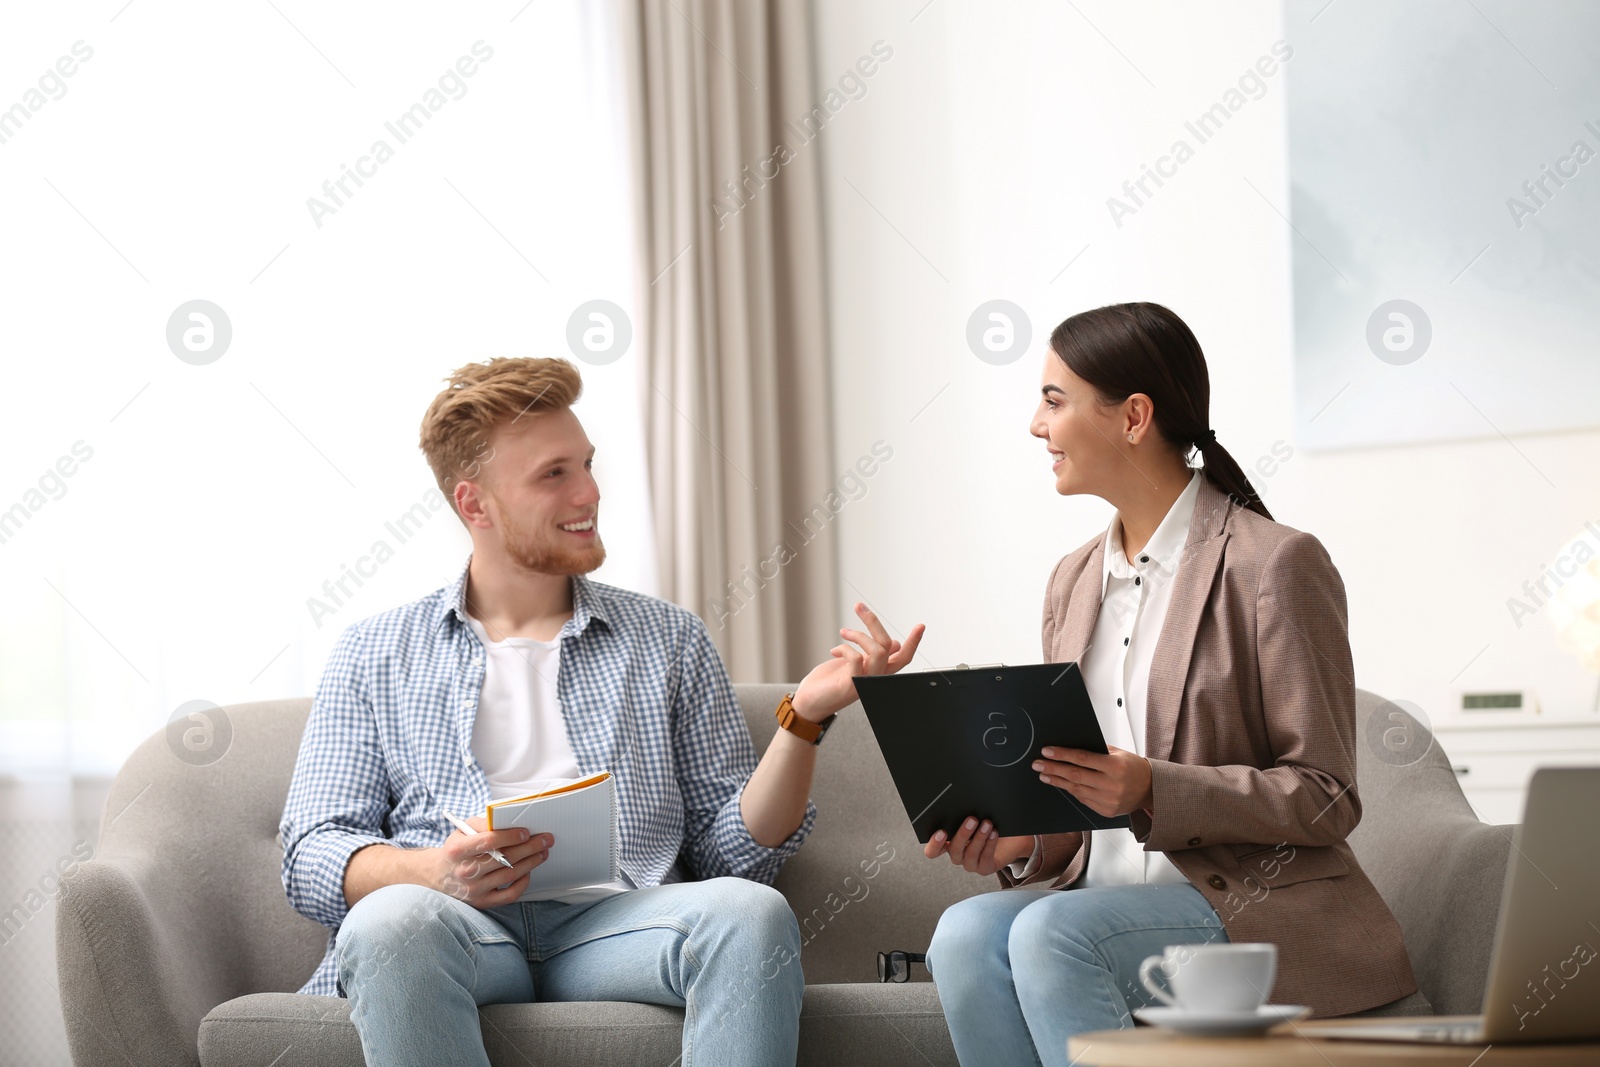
(987, 147)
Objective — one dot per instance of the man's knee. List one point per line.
(749, 907)
(389, 924)
(749, 946)
(754, 928)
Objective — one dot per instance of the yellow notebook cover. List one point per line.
(581, 783)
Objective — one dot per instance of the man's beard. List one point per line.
(543, 556)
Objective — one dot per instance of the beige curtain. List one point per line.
(732, 329)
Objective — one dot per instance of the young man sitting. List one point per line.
(520, 675)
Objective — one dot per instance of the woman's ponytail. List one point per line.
(1221, 471)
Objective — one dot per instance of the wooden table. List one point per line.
(1153, 1046)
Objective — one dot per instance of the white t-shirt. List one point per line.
(1135, 595)
(519, 736)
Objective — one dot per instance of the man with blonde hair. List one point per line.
(521, 675)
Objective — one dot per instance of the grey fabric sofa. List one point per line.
(176, 946)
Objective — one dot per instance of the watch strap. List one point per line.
(801, 727)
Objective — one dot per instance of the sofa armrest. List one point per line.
(127, 994)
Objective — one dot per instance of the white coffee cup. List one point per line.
(1213, 977)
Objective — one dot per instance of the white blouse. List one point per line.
(1135, 594)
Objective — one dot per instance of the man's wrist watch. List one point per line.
(801, 727)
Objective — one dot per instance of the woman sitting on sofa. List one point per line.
(1214, 645)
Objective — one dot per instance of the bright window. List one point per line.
(164, 523)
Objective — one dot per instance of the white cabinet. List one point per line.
(1495, 753)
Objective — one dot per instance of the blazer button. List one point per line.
(1193, 841)
(1217, 882)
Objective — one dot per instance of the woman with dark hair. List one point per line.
(1213, 642)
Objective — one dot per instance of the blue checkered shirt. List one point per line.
(389, 744)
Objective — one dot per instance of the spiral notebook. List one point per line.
(582, 817)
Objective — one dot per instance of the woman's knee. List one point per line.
(956, 932)
(1062, 925)
(971, 930)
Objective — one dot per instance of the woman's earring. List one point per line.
(1130, 437)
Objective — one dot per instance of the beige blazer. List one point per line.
(1250, 732)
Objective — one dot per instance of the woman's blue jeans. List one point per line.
(417, 963)
(1020, 970)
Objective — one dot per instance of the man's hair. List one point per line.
(478, 399)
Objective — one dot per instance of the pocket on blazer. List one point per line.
(1276, 866)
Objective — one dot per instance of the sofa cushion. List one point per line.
(900, 1024)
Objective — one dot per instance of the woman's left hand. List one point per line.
(1113, 784)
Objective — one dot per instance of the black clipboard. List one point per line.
(962, 742)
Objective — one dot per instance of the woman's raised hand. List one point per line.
(831, 684)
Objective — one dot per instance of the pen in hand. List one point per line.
(461, 824)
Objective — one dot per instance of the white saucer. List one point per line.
(1222, 1023)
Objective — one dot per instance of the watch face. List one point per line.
(822, 730)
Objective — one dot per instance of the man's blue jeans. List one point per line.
(1021, 970)
(416, 963)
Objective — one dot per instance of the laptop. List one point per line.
(1544, 975)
